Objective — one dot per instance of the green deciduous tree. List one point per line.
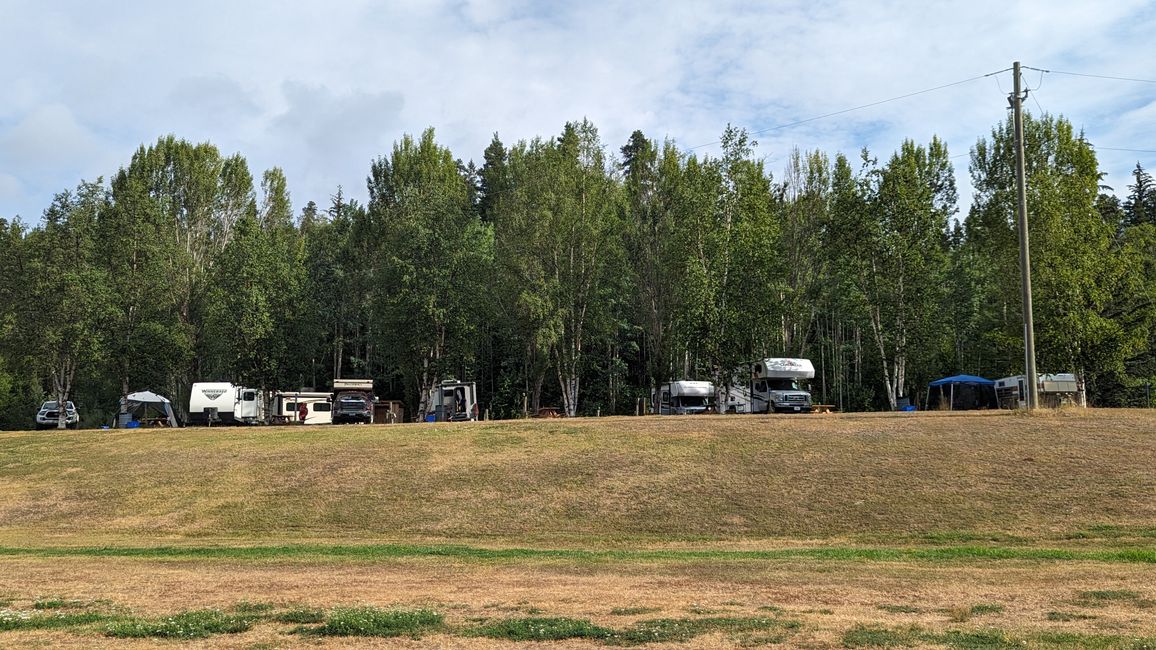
(68, 291)
(431, 255)
(893, 229)
(1079, 269)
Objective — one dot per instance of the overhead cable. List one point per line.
(856, 108)
(1119, 149)
(1094, 76)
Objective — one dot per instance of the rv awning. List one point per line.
(961, 379)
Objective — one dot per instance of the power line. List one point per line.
(1095, 76)
(1119, 149)
(1037, 101)
(856, 108)
(1039, 84)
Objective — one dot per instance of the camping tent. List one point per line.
(146, 409)
(961, 393)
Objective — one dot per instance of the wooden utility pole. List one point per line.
(1033, 397)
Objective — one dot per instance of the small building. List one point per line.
(388, 411)
(961, 393)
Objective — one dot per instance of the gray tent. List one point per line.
(146, 409)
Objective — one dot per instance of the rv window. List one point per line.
(761, 386)
(665, 397)
(290, 407)
(321, 407)
(249, 395)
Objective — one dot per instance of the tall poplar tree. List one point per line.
(432, 262)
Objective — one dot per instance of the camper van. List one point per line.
(1055, 390)
(774, 386)
(220, 402)
(453, 401)
(318, 407)
(352, 401)
(683, 398)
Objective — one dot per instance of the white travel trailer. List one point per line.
(683, 398)
(318, 407)
(219, 402)
(453, 401)
(1055, 390)
(774, 385)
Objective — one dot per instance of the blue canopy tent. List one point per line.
(961, 393)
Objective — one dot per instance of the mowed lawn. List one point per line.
(926, 530)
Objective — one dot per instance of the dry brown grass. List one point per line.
(1068, 479)
(827, 599)
(583, 482)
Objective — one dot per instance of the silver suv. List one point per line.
(47, 415)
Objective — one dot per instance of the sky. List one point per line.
(321, 89)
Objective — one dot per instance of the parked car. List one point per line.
(352, 409)
(46, 417)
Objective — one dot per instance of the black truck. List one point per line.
(353, 401)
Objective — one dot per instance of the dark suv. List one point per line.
(46, 417)
(352, 408)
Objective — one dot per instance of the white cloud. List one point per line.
(320, 88)
(10, 188)
(46, 139)
(323, 139)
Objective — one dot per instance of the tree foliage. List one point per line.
(564, 272)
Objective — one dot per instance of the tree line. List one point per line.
(556, 273)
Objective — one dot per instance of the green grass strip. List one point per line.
(17, 620)
(874, 636)
(541, 629)
(388, 551)
(185, 625)
(371, 621)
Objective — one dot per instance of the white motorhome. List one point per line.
(318, 407)
(220, 402)
(776, 385)
(683, 398)
(736, 398)
(1055, 390)
(453, 401)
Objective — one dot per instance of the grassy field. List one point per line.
(924, 530)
